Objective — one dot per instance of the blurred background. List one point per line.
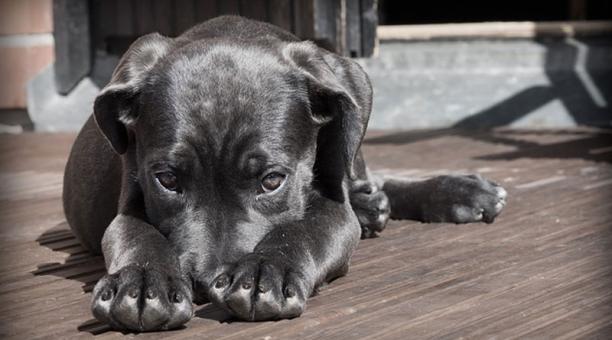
(434, 64)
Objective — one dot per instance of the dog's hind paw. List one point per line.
(142, 299)
(371, 207)
(464, 199)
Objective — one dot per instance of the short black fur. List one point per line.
(166, 177)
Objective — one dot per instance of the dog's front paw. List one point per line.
(464, 199)
(142, 299)
(371, 207)
(260, 287)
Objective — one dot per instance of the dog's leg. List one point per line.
(371, 205)
(452, 198)
(144, 289)
(288, 264)
(368, 201)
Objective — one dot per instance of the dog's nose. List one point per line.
(200, 292)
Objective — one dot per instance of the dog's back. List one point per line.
(234, 27)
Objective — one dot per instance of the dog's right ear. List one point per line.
(115, 108)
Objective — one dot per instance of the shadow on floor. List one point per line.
(212, 312)
(80, 266)
(596, 147)
(578, 75)
(591, 145)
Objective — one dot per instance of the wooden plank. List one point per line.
(144, 17)
(280, 13)
(542, 270)
(125, 23)
(228, 7)
(184, 15)
(206, 10)
(254, 9)
(103, 22)
(163, 17)
(303, 17)
(328, 24)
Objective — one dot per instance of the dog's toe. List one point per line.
(125, 311)
(501, 192)
(494, 202)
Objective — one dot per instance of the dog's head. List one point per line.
(225, 140)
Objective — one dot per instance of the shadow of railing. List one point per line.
(595, 147)
(79, 266)
(592, 145)
(585, 95)
(568, 66)
(83, 267)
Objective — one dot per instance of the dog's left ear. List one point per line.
(115, 108)
(340, 100)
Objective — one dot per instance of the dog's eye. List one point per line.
(167, 180)
(272, 181)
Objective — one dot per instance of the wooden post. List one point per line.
(347, 27)
(280, 13)
(353, 28)
(326, 22)
(369, 23)
(72, 43)
(303, 18)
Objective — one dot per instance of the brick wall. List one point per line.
(26, 46)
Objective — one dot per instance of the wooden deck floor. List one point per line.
(542, 270)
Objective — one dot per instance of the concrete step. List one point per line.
(468, 83)
(481, 83)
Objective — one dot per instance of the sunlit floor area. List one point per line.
(542, 270)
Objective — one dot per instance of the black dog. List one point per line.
(226, 167)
